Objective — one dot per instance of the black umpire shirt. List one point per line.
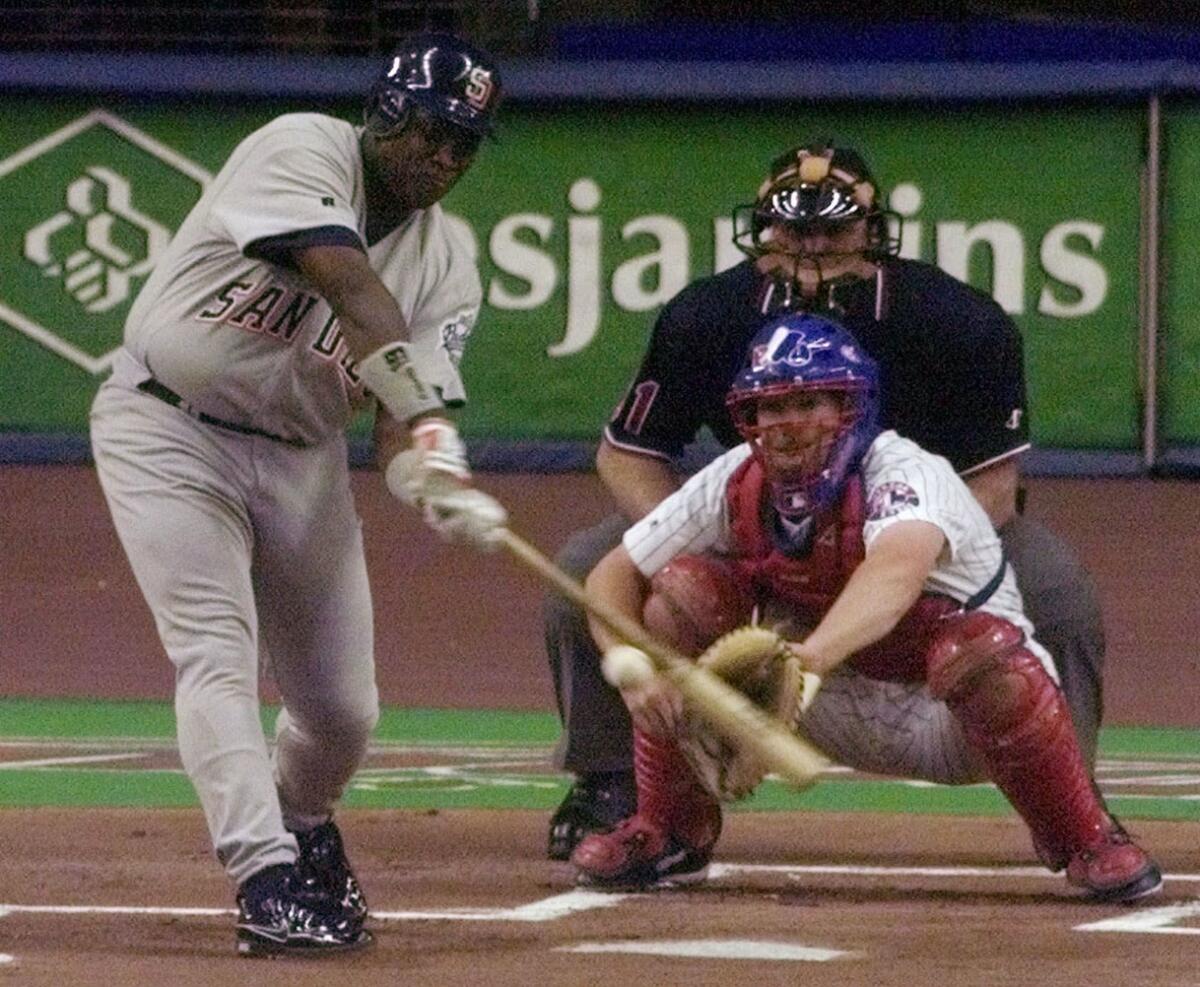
(950, 359)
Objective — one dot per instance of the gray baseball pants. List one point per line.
(244, 546)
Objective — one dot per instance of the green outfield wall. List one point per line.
(587, 218)
(1180, 331)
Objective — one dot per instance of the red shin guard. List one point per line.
(1015, 717)
(669, 796)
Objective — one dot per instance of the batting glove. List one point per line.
(433, 476)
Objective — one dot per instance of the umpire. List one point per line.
(817, 239)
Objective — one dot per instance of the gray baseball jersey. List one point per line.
(882, 727)
(244, 546)
(248, 341)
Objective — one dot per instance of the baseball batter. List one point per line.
(881, 550)
(317, 275)
(953, 381)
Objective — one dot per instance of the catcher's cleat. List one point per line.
(1114, 870)
(594, 804)
(278, 917)
(638, 856)
(324, 869)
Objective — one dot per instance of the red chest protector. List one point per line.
(810, 584)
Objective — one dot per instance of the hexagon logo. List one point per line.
(89, 210)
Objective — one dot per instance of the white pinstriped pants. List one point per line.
(890, 728)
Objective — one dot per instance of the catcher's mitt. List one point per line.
(756, 661)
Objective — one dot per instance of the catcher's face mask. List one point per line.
(807, 402)
(796, 430)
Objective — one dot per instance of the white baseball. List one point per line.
(627, 667)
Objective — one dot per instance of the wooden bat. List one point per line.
(728, 710)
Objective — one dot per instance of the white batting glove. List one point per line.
(433, 476)
(466, 515)
(442, 451)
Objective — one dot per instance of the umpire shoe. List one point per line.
(594, 804)
(638, 856)
(1114, 870)
(277, 916)
(324, 869)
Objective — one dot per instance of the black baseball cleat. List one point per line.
(278, 916)
(324, 868)
(594, 804)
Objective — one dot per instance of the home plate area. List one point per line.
(467, 897)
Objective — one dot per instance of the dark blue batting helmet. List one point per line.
(441, 74)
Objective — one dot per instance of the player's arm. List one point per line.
(660, 412)
(655, 706)
(882, 589)
(368, 315)
(432, 473)
(995, 487)
(637, 481)
(390, 438)
(616, 581)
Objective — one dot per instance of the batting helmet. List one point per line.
(803, 352)
(441, 74)
(815, 188)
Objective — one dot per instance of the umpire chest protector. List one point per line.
(808, 582)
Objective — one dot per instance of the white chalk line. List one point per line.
(544, 910)
(482, 750)
(582, 899)
(717, 871)
(1159, 921)
(48, 762)
(714, 949)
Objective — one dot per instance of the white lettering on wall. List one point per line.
(1079, 271)
(583, 270)
(670, 261)
(523, 261)
(955, 242)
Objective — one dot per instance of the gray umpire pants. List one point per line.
(1060, 600)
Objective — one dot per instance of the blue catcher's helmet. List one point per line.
(803, 352)
(440, 74)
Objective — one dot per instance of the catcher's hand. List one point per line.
(757, 661)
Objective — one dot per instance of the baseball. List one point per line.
(626, 667)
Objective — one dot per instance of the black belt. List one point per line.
(159, 390)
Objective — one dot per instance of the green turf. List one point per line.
(89, 718)
(468, 781)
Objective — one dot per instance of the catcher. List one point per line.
(888, 580)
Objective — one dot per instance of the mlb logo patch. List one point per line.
(891, 498)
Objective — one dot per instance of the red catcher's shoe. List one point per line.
(1114, 870)
(638, 856)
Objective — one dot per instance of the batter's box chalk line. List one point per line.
(715, 949)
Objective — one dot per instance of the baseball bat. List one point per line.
(728, 710)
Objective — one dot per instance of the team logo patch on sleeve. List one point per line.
(454, 338)
(890, 498)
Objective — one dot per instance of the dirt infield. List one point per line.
(115, 897)
(73, 624)
(466, 898)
